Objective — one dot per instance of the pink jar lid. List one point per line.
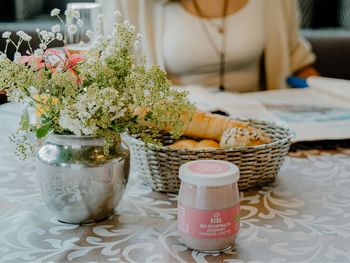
(209, 173)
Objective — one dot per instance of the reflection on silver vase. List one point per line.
(79, 182)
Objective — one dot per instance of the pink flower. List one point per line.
(71, 61)
(55, 59)
(33, 61)
(65, 60)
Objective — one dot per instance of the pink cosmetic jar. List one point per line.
(208, 205)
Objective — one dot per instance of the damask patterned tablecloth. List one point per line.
(303, 216)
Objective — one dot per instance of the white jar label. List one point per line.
(199, 223)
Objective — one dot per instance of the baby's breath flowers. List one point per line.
(107, 91)
(55, 12)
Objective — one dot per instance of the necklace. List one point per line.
(221, 30)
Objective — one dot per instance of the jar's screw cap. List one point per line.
(209, 173)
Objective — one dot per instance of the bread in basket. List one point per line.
(258, 164)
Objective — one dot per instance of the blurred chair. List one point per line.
(28, 8)
(326, 24)
(332, 49)
(12, 10)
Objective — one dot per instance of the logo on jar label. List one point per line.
(216, 218)
(208, 223)
(209, 167)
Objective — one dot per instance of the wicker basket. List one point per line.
(258, 165)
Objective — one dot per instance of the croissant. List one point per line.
(212, 126)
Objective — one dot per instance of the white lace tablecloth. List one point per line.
(303, 216)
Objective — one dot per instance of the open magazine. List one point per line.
(314, 113)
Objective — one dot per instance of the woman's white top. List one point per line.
(285, 51)
(190, 58)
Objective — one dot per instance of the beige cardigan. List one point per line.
(285, 51)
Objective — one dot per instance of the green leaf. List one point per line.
(44, 118)
(43, 130)
(117, 128)
(148, 116)
(134, 119)
(25, 120)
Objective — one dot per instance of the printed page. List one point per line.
(211, 99)
(312, 114)
(339, 88)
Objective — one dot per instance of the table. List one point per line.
(303, 216)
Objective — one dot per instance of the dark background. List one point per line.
(315, 13)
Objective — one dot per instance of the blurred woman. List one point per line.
(235, 45)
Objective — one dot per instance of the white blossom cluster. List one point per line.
(45, 37)
(18, 95)
(76, 22)
(92, 110)
(55, 12)
(129, 39)
(72, 13)
(23, 37)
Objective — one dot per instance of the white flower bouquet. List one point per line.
(107, 91)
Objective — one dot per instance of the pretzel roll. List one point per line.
(236, 137)
(207, 144)
(183, 144)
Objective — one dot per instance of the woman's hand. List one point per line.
(307, 72)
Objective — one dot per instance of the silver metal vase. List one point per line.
(79, 182)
